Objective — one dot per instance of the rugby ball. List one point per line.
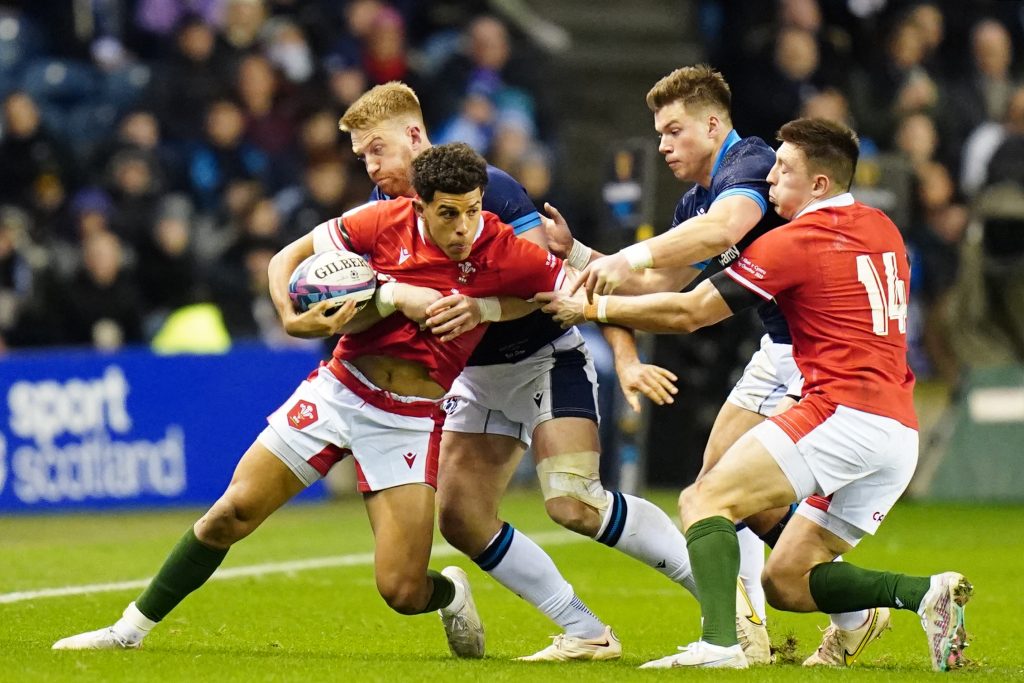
(336, 275)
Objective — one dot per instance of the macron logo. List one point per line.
(403, 256)
(410, 458)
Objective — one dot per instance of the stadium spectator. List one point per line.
(135, 187)
(103, 308)
(984, 91)
(32, 159)
(895, 84)
(271, 110)
(224, 156)
(983, 142)
(769, 99)
(487, 64)
(168, 273)
(186, 83)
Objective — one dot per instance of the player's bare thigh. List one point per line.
(731, 423)
(473, 472)
(559, 436)
(745, 481)
(260, 485)
(803, 545)
(402, 520)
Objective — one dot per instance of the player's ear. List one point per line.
(418, 206)
(821, 185)
(415, 134)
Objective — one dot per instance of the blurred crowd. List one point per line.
(154, 154)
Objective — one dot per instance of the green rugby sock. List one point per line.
(444, 591)
(842, 587)
(189, 565)
(715, 558)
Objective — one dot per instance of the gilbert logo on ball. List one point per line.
(337, 276)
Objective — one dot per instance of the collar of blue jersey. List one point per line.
(844, 199)
(731, 139)
(423, 232)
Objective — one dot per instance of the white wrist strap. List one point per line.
(490, 309)
(385, 299)
(639, 256)
(602, 309)
(579, 255)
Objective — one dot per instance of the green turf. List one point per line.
(329, 623)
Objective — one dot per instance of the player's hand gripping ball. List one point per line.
(337, 276)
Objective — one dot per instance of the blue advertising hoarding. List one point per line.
(86, 430)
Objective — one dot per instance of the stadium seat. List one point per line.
(60, 81)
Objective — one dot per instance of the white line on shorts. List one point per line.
(439, 550)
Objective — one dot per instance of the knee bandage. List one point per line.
(573, 475)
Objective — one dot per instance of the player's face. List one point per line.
(685, 141)
(387, 150)
(452, 221)
(793, 186)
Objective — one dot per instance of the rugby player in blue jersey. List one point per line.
(528, 382)
(725, 210)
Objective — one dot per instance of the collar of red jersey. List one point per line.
(844, 199)
(423, 232)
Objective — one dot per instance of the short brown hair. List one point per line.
(695, 86)
(380, 103)
(829, 147)
(453, 168)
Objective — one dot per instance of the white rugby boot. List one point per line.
(126, 634)
(840, 647)
(701, 655)
(751, 630)
(565, 648)
(942, 617)
(462, 626)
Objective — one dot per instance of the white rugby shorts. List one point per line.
(861, 461)
(394, 439)
(558, 380)
(770, 376)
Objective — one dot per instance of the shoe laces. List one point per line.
(830, 644)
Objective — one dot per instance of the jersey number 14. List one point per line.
(888, 301)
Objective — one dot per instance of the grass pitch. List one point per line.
(324, 621)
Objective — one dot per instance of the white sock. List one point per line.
(521, 566)
(849, 621)
(751, 566)
(643, 531)
(458, 600)
(133, 625)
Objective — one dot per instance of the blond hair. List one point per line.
(699, 87)
(381, 103)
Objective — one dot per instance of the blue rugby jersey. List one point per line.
(741, 168)
(514, 340)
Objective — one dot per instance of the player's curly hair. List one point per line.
(698, 86)
(453, 168)
(381, 103)
(829, 147)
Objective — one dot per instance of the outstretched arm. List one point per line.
(695, 240)
(665, 312)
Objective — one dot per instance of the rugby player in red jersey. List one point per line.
(839, 272)
(378, 399)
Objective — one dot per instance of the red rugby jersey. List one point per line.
(841, 275)
(397, 247)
